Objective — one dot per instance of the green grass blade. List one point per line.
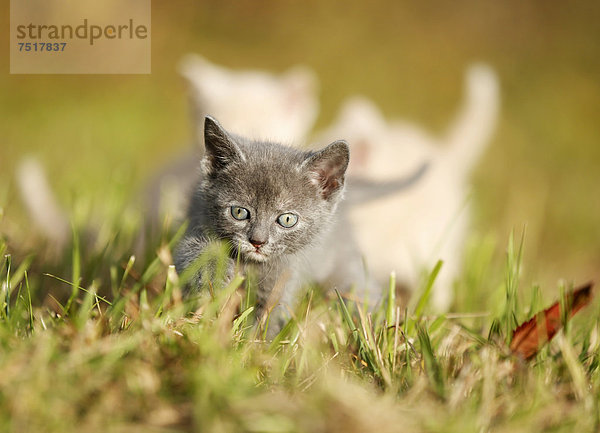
(432, 367)
(29, 303)
(391, 301)
(6, 289)
(241, 320)
(76, 269)
(347, 317)
(86, 307)
(424, 298)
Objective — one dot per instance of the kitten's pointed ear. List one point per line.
(220, 147)
(327, 168)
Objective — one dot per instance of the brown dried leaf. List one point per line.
(533, 334)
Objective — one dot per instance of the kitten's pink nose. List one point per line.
(257, 243)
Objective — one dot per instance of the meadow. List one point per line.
(140, 358)
(96, 339)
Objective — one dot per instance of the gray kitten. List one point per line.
(276, 208)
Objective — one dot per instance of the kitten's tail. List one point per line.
(363, 190)
(475, 123)
(44, 211)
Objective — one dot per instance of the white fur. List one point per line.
(259, 104)
(409, 231)
(41, 204)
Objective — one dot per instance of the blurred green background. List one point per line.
(541, 169)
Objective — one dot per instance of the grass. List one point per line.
(114, 347)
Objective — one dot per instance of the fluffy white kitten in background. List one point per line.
(281, 108)
(409, 231)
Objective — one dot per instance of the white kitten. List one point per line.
(244, 99)
(409, 231)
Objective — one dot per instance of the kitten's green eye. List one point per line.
(287, 220)
(240, 213)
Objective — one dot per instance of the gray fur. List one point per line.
(270, 179)
(363, 190)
